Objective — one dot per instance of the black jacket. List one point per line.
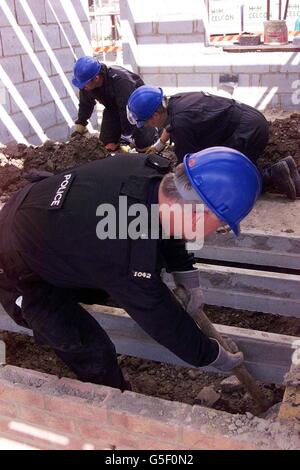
(118, 85)
(55, 233)
(198, 120)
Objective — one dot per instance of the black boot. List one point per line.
(294, 173)
(279, 176)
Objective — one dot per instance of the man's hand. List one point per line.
(156, 148)
(112, 147)
(226, 361)
(188, 291)
(79, 129)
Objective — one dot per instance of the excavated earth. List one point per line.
(156, 379)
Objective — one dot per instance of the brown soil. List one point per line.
(17, 159)
(161, 380)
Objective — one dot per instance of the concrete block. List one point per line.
(194, 81)
(52, 35)
(244, 80)
(11, 43)
(1, 48)
(29, 70)
(87, 29)
(65, 58)
(3, 20)
(143, 29)
(71, 35)
(59, 11)
(185, 38)
(34, 140)
(56, 81)
(82, 9)
(161, 39)
(13, 67)
(175, 27)
(59, 133)
(161, 79)
(198, 26)
(6, 100)
(176, 69)
(255, 79)
(70, 106)
(45, 115)
(22, 123)
(288, 103)
(30, 92)
(144, 70)
(283, 82)
(38, 12)
(5, 135)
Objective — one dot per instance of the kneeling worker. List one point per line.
(197, 120)
(110, 86)
(53, 254)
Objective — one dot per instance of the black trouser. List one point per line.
(57, 320)
(251, 135)
(111, 131)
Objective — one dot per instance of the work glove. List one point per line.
(79, 129)
(156, 148)
(226, 361)
(188, 291)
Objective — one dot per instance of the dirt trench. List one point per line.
(150, 378)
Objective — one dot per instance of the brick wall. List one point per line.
(169, 49)
(41, 411)
(27, 64)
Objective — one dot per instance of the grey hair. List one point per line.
(177, 187)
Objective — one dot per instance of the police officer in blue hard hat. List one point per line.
(52, 256)
(110, 86)
(197, 120)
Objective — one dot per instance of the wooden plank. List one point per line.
(262, 48)
(258, 291)
(267, 355)
(257, 248)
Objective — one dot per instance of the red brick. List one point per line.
(7, 409)
(76, 408)
(20, 394)
(195, 439)
(27, 377)
(144, 425)
(111, 436)
(46, 420)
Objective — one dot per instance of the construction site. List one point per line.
(244, 50)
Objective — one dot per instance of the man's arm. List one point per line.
(176, 256)
(153, 306)
(184, 140)
(86, 107)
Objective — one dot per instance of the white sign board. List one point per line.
(224, 16)
(255, 13)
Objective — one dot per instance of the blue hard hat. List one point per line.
(85, 69)
(143, 103)
(227, 182)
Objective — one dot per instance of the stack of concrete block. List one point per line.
(57, 22)
(168, 45)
